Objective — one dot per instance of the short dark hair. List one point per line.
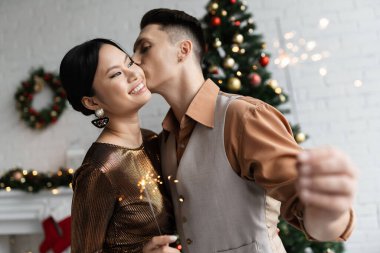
(169, 19)
(77, 71)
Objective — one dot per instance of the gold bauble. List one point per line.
(243, 7)
(235, 48)
(273, 83)
(300, 137)
(224, 13)
(217, 43)
(242, 51)
(233, 84)
(282, 98)
(238, 38)
(229, 62)
(213, 7)
(278, 90)
(39, 83)
(53, 113)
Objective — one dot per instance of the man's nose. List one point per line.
(136, 58)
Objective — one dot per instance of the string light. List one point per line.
(358, 83)
(323, 23)
(323, 71)
(55, 191)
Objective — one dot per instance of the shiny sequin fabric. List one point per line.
(112, 190)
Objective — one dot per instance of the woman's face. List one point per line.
(119, 84)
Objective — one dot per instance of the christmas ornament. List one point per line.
(235, 48)
(238, 38)
(278, 90)
(213, 6)
(233, 84)
(213, 70)
(255, 79)
(233, 1)
(229, 62)
(216, 21)
(264, 60)
(37, 81)
(237, 23)
(224, 13)
(217, 43)
(273, 83)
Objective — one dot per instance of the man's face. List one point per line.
(157, 56)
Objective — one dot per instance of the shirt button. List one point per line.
(181, 199)
(189, 241)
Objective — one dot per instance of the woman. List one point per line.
(118, 204)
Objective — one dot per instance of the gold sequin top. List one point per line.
(112, 190)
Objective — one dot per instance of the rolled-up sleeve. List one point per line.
(260, 147)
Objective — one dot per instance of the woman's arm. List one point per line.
(92, 208)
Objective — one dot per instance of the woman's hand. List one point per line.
(160, 244)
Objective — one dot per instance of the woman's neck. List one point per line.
(124, 132)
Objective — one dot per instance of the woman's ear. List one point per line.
(90, 103)
(185, 49)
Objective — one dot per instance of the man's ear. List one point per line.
(185, 49)
(90, 103)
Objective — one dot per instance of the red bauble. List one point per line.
(264, 60)
(233, 1)
(216, 21)
(254, 79)
(237, 23)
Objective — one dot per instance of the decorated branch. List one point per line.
(34, 181)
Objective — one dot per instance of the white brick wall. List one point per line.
(331, 109)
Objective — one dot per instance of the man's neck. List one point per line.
(181, 93)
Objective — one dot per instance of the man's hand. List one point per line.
(327, 187)
(160, 244)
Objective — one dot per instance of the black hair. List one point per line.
(77, 71)
(169, 18)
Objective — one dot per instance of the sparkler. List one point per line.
(150, 179)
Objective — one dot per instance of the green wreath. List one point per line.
(24, 97)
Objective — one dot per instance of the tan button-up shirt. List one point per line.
(259, 145)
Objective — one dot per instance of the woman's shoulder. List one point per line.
(88, 171)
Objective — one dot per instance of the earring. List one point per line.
(101, 121)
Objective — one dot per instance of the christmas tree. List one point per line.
(236, 60)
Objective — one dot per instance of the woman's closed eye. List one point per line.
(115, 74)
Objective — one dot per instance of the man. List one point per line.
(231, 163)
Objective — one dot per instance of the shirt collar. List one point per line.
(201, 108)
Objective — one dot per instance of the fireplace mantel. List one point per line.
(21, 212)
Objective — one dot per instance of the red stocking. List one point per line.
(64, 240)
(51, 234)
